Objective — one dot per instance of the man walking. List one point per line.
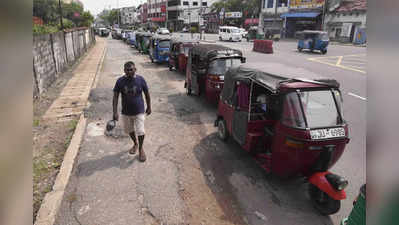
(132, 86)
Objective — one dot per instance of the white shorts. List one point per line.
(134, 124)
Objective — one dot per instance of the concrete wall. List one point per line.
(52, 53)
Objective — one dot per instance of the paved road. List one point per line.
(191, 177)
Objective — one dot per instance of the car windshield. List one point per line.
(164, 44)
(235, 31)
(318, 106)
(220, 66)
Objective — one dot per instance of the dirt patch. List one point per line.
(51, 138)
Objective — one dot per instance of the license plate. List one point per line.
(327, 133)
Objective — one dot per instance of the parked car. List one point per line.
(229, 33)
(162, 30)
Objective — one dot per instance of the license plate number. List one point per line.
(327, 133)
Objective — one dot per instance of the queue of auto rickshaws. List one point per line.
(291, 126)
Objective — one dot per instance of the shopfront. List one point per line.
(299, 21)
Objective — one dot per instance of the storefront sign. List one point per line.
(346, 29)
(306, 4)
(233, 14)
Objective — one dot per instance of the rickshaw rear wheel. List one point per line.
(324, 51)
(170, 67)
(299, 49)
(322, 202)
(222, 130)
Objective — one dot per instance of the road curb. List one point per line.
(52, 201)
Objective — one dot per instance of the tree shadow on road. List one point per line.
(235, 179)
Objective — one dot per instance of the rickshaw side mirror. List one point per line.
(243, 60)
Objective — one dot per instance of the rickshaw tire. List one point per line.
(328, 207)
(152, 60)
(299, 49)
(323, 52)
(170, 68)
(222, 125)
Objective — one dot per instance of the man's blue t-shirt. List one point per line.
(132, 97)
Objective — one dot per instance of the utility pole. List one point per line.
(260, 24)
(117, 8)
(60, 10)
(324, 15)
(199, 20)
(275, 14)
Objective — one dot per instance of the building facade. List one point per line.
(128, 15)
(346, 21)
(157, 12)
(183, 13)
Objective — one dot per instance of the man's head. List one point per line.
(130, 69)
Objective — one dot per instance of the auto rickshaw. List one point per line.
(159, 48)
(273, 34)
(253, 34)
(313, 40)
(179, 53)
(144, 42)
(291, 126)
(206, 66)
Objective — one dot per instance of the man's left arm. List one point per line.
(148, 101)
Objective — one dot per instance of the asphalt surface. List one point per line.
(190, 176)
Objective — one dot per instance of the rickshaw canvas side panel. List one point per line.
(240, 124)
(227, 112)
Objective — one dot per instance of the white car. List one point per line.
(163, 31)
(229, 33)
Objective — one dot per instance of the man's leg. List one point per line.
(139, 123)
(133, 150)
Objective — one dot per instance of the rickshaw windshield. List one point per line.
(324, 37)
(164, 44)
(185, 50)
(319, 109)
(220, 66)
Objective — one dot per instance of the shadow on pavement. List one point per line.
(87, 168)
(235, 179)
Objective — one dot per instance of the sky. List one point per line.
(96, 6)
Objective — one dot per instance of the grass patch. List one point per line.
(71, 127)
(36, 122)
(40, 168)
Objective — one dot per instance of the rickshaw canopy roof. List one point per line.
(161, 38)
(271, 76)
(212, 50)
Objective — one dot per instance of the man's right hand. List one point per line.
(116, 116)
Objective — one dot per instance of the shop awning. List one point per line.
(300, 15)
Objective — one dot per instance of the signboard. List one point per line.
(233, 15)
(306, 4)
(346, 29)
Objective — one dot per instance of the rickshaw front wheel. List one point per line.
(188, 90)
(299, 49)
(170, 67)
(222, 130)
(322, 202)
(324, 51)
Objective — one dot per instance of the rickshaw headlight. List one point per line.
(339, 183)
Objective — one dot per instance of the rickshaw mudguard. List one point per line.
(319, 180)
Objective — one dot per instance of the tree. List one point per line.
(110, 16)
(47, 10)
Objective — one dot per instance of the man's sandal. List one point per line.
(133, 150)
(142, 157)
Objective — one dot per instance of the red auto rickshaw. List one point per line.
(179, 53)
(290, 126)
(206, 68)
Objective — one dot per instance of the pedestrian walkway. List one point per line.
(74, 96)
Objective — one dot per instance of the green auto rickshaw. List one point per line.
(253, 34)
(145, 42)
